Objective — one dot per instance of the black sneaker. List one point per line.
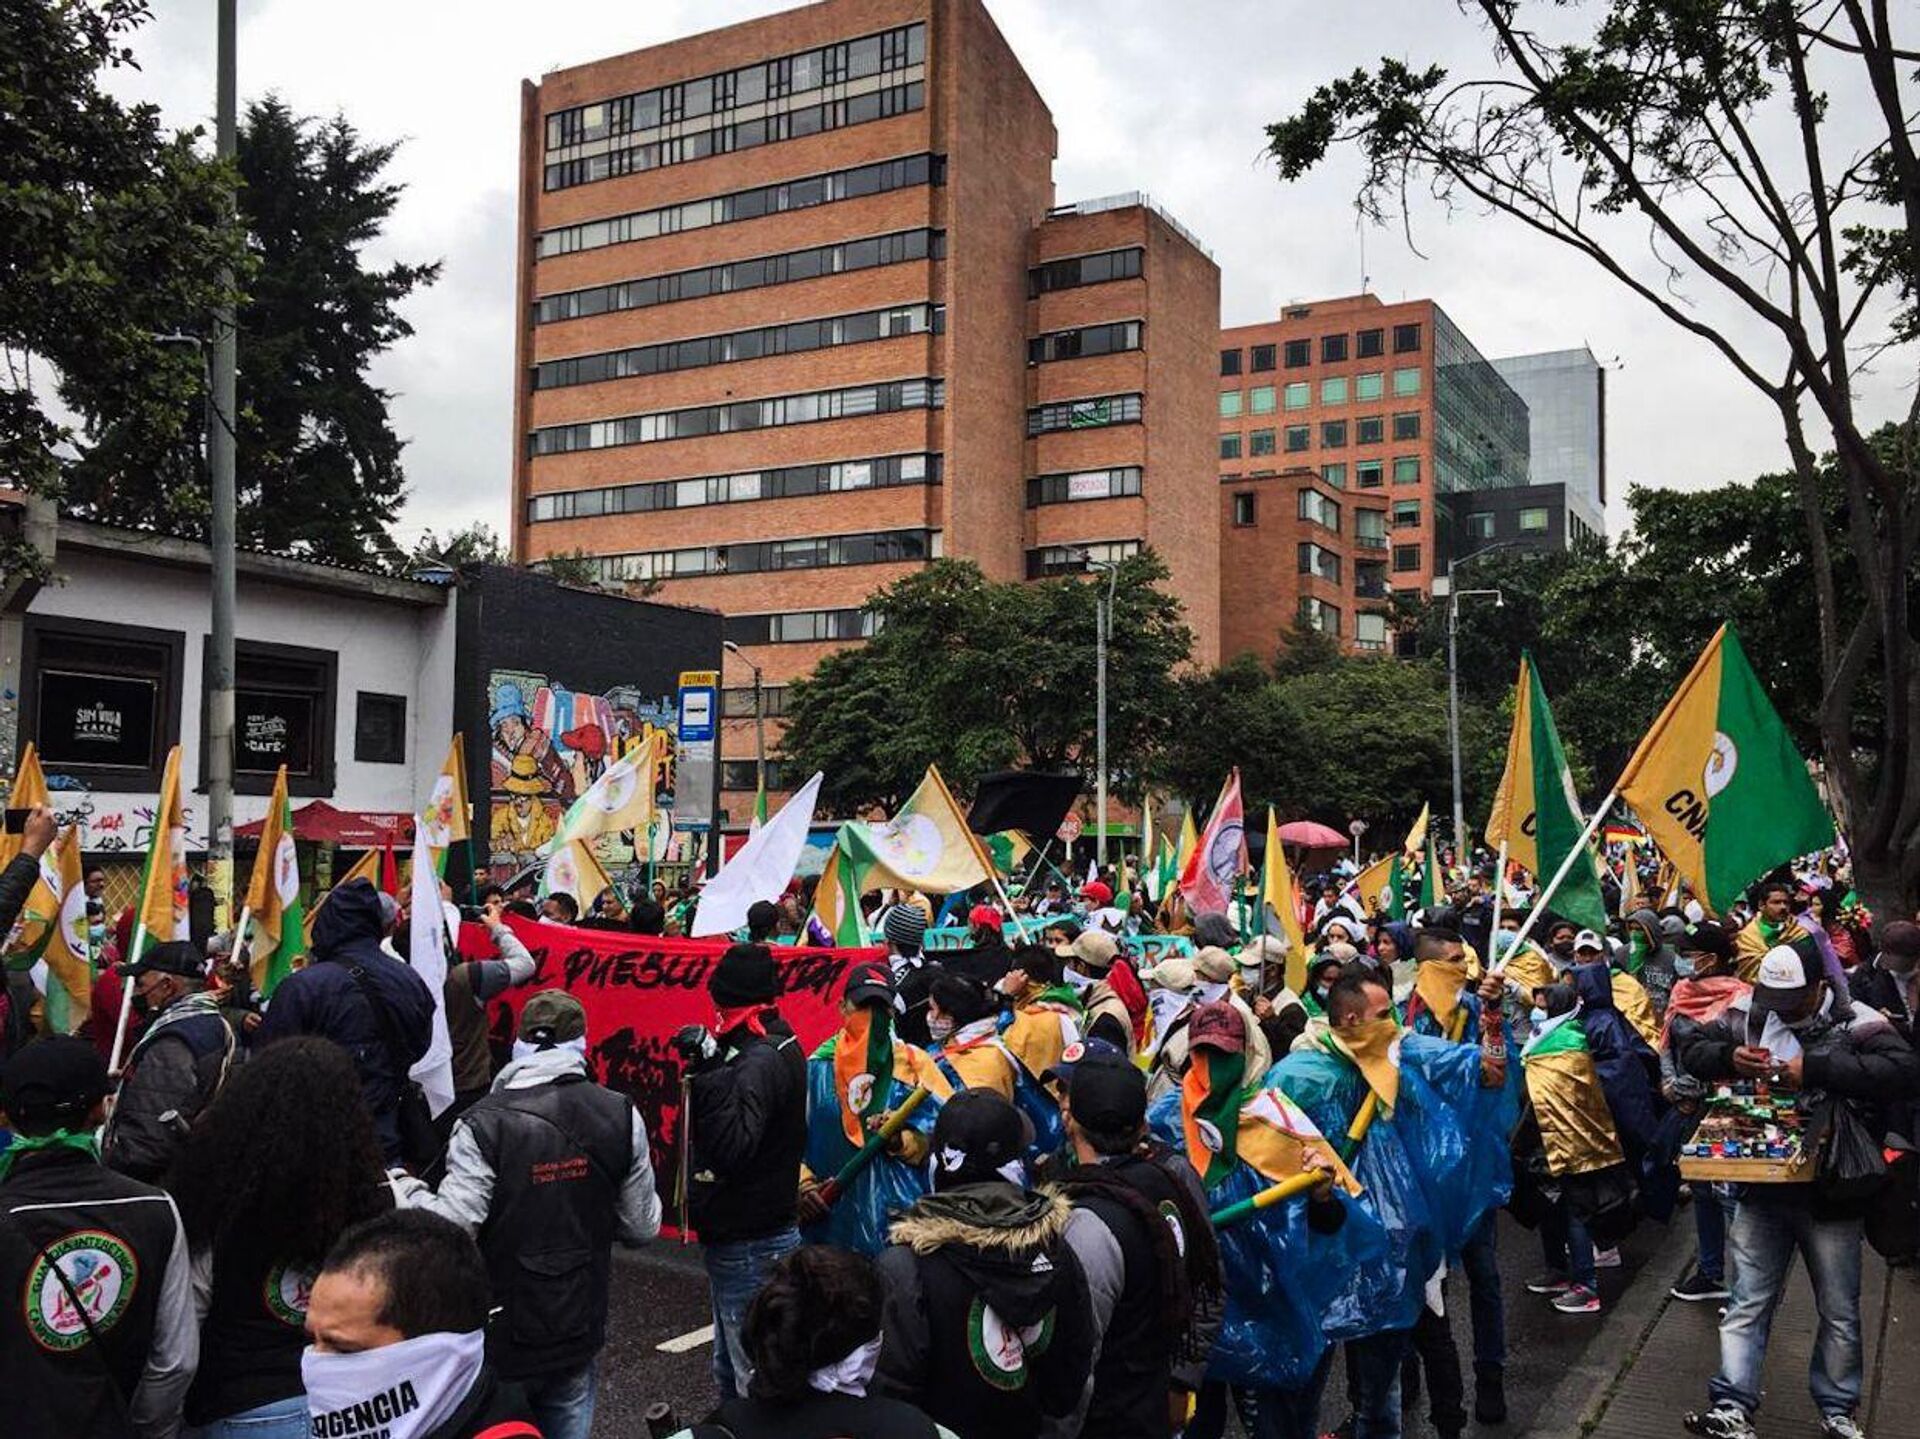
(1489, 1395)
(1697, 1288)
(1723, 1421)
(1549, 1283)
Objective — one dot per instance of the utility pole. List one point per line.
(1102, 626)
(222, 364)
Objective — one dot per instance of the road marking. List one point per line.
(692, 1339)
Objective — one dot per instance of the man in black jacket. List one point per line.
(1798, 1035)
(336, 995)
(178, 1066)
(747, 1093)
(1890, 982)
(17, 880)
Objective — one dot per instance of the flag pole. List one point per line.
(240, 938)
(1499, 894)
(126, 1004)
(1566, 868)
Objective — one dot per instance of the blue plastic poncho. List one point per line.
(860, 1217)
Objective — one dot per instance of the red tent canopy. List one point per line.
(1309, 834)
(320, 823)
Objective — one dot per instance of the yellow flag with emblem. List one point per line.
(927, 845)
(1279, 908)
(161, 912)
(446, 813)
(28, 792)
(273, 895)
(623, 798)
(53, 928)
(573, 869)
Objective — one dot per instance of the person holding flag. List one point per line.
(18, 881)
(852, 1180)
(53, 936)
(173, 1073)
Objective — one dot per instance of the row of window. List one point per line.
(1317, 509)
(1052, 560)
(754, 274)
(1088, 340)
(1537, 520)
(789, 482)
(1369, 626)
(771, 412)
(793, 627)
(739, 702)
(744, 774)
(877, 547)
(1094, 269)
(1091, 413)
(1334, 350)
(716, 94)
(1334, 390)
(1368, 430)
(1367, 474)
(764, 342)
(1110, 484)
(905, 173)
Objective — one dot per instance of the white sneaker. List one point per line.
(1841, 1426)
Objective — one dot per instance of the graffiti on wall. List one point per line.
(113, 824)
(549, 744)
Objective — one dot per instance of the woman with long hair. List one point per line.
(279, 1165)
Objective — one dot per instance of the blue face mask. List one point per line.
(1539, 1016)
(1682, 967)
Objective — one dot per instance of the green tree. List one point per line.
(1235, 715)
(112, 235)
(974, 675)
(476, 544)
(1789, 246)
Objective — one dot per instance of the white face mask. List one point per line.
(849, 1375)
(409, 1389)
(939, 1029)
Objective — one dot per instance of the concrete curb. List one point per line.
(1581, 1397)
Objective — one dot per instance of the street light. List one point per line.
(759, 720)
(1102, 626)
(1454, 596)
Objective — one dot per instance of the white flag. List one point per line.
(427, 953)
(760, 869)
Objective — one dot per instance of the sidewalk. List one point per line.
(1656, 1355)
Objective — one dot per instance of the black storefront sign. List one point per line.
(95, 719)
(271, 729)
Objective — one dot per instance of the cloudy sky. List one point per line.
(1147, 95)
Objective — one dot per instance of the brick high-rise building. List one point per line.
(798, 315)
(1352, 436)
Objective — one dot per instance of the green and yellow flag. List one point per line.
(1009, 849)
(53, 928)
(1718, 783)
(926, 846)
(160, 913)
(273, 895)
(836, 898)
(1378, 886)
(29, 791)
(1536, 814)
(1279, 907)
(1433, 879)
(445, 816)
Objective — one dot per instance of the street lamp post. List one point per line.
(1102, 626)
(1454, 596)
(221, 443)
(759, 720)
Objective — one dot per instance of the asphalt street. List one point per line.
(660, 1296)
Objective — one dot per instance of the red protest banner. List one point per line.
(638, 991)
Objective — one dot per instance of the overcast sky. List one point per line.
(1146, 95)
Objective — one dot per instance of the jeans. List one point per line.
(562, 1404)
(282, 1419)
(1284, 1413)
(1480, 1259)
(736, 1268)
(1373, 1381)
(1712, 1210)
(1567, 1246)
(1761, 1243)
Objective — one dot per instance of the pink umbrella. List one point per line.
(1308, 834)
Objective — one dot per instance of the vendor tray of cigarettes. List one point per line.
(1750, 1134)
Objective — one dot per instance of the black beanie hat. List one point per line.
(745, 975)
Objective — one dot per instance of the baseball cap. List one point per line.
(1218, 1026)
(977, 1136)
(869, 983)
(1176, 972)
(1107, 1093)
(1097, 892)
(176, 956)
(1587, 939)
(1785, 979)
(1079, 1051)
(1214, 965)
(1094, 949)
(59, 1077)
(553, 1017)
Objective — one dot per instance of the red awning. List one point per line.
(320, 823)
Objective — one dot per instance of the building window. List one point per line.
(737, 702)
(1333, 349)
(1406, 514)
(1370, 386)
(1406, 559)
(640, 294)
(1096, 269)
(1299, 437)
(1406, 339)
(1406, 382)
(1533, 521)
(1111, 484)
(1262, 358)
(1333, 390)
(1093, 413)
(1298, 395)
(1244, 508)
(744, 774)
(1260, 400)
(1334, 474)
(1078, 344)
(1370, 579)
(1370, 627)
(1370, 529)
(1407, 426)
(1319, 561)
(282, 715)
(1317, 509)
(101, 701)
(792, 481)
(802, 627)
(1370, 430)
(1333, 434)
(379, 728)
(1229, 404)
(874, 547)
(1320, 615)
(1480, 525)
(1370, 343)
(1299, 354)
(1406, 470)
(1369, 474)
(905, 173)
(1230, 362)
(1074, 559)
(1260, 442)
(769, 413)
(1230, 446)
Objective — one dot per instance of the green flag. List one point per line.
(1397, 889)
(1536, 814)
(1433, 882)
